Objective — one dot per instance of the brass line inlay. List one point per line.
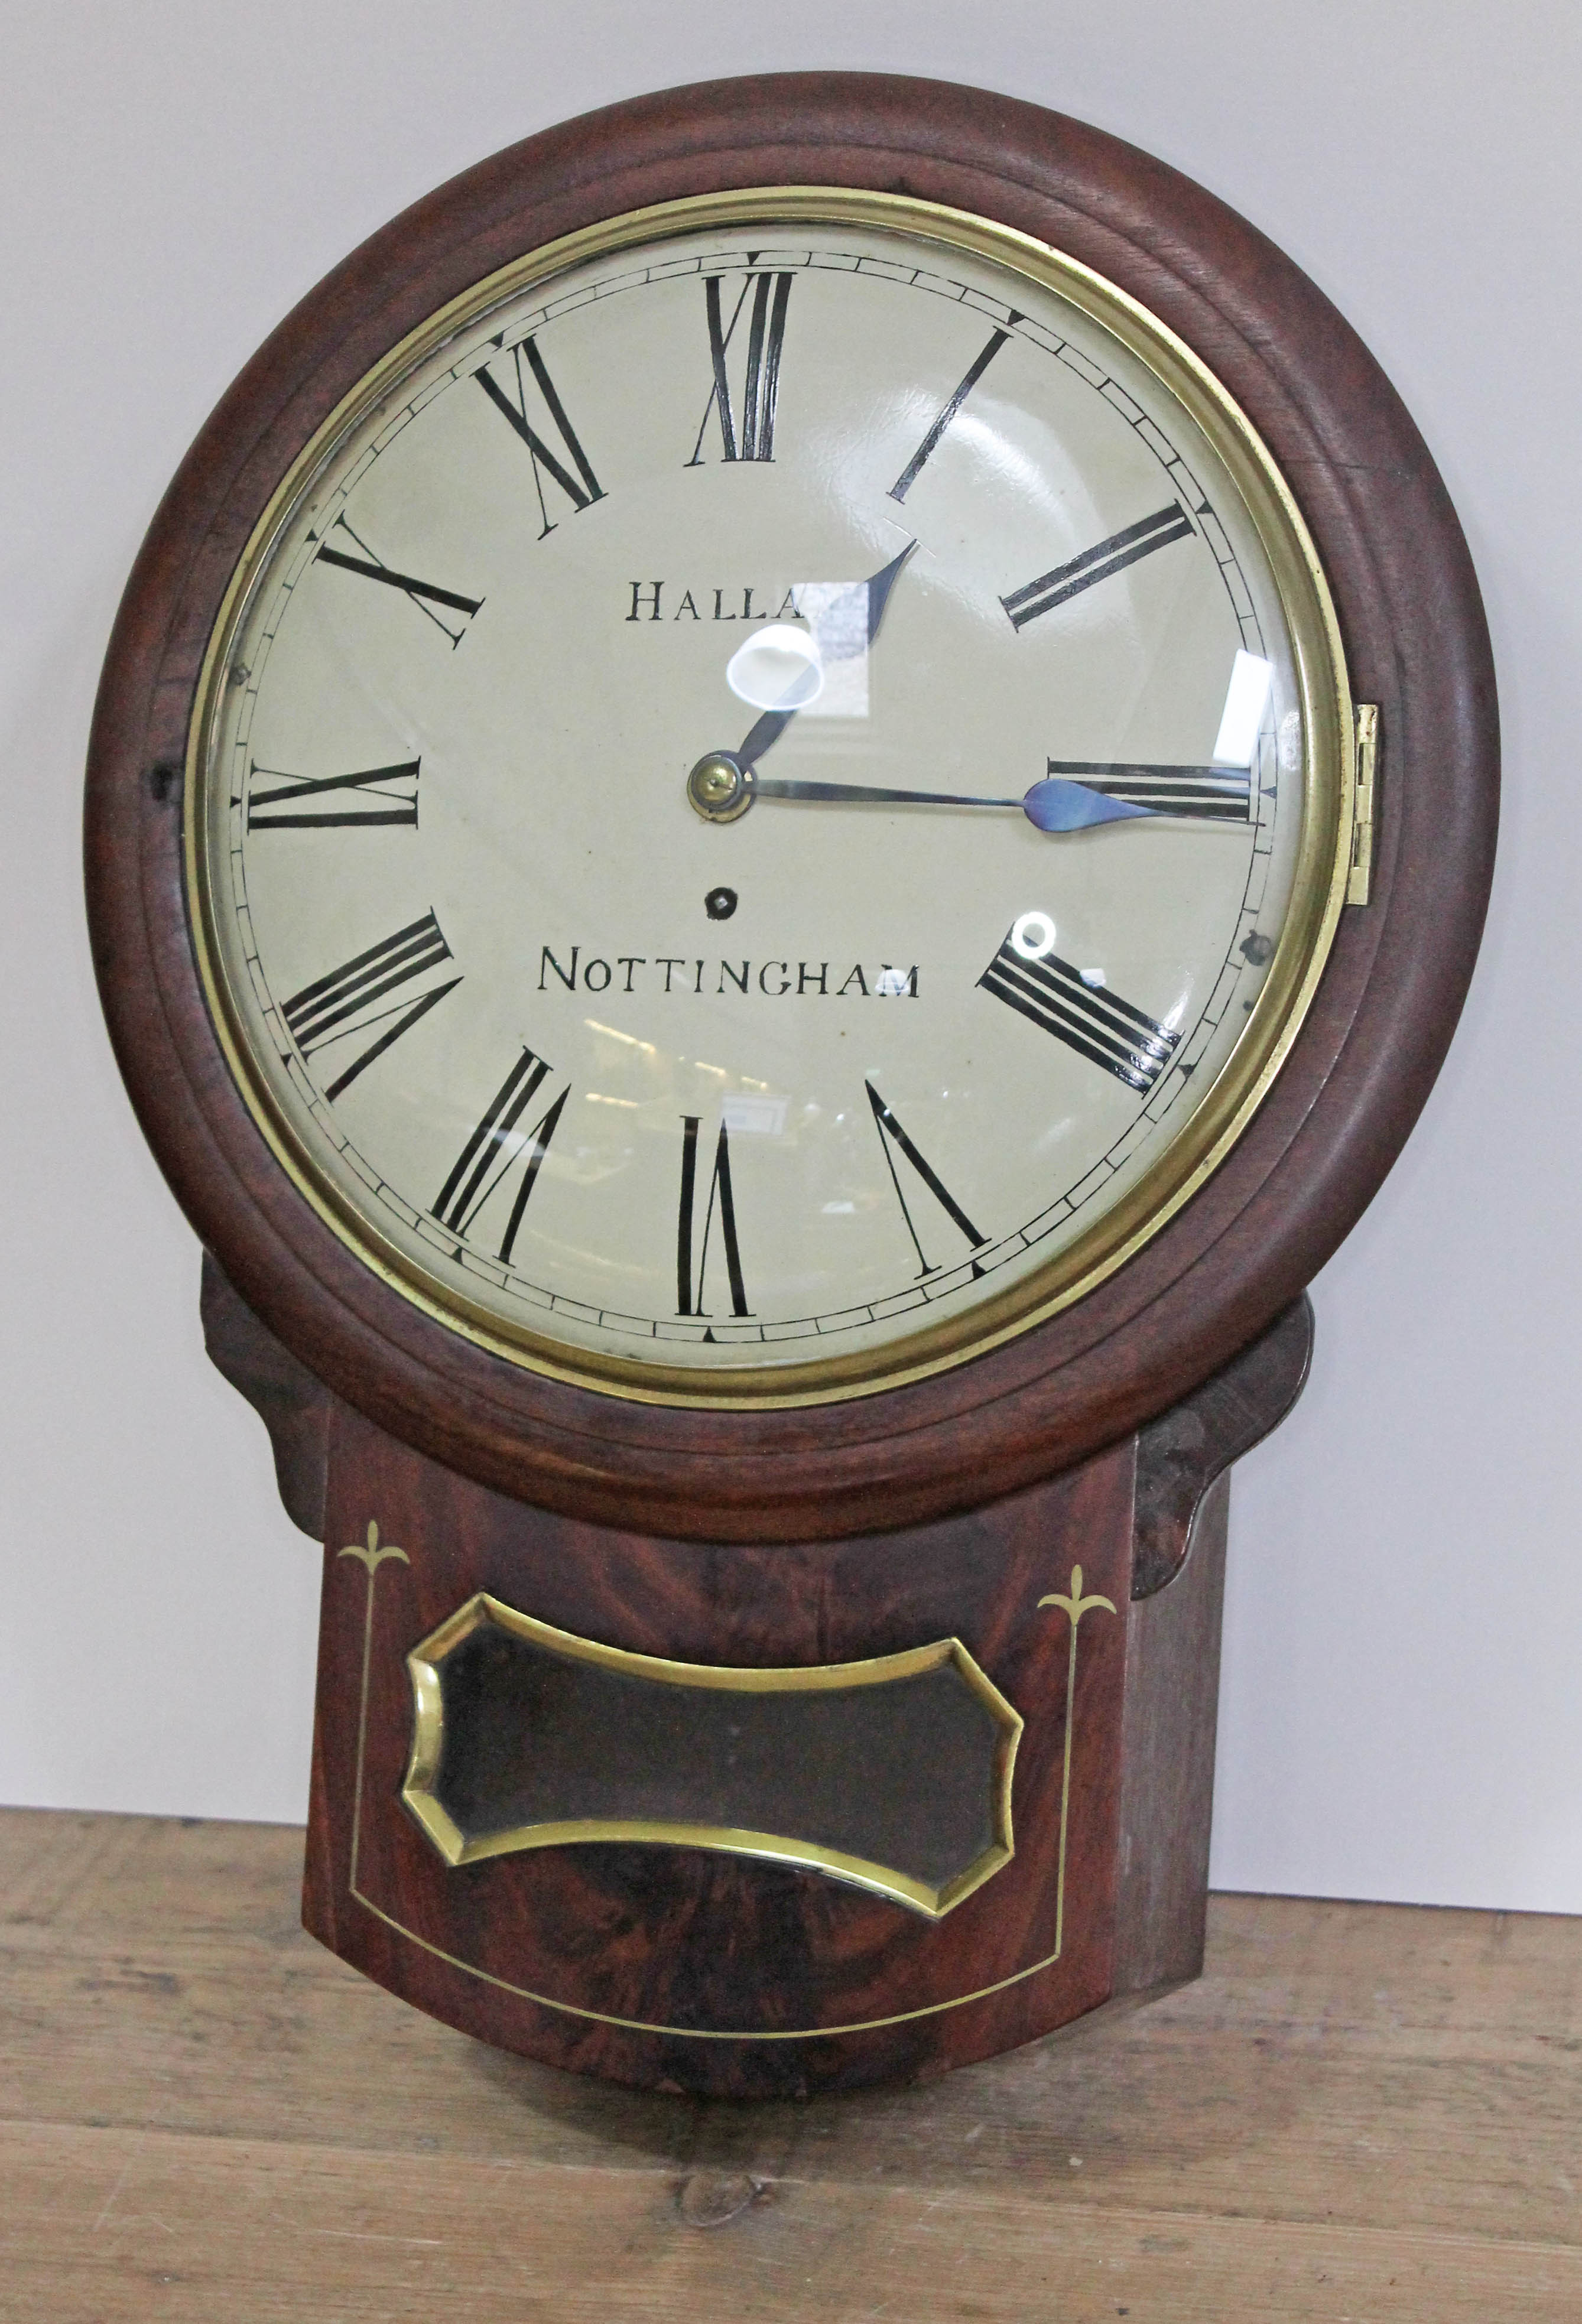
(371, 1558)
(1073, 1605)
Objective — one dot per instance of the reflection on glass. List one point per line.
(778, 670)
(1246, 699)
(763, 1116)
(1033, 936)
(838, 614)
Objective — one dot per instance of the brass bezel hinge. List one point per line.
(1359, 883)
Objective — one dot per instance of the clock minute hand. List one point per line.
(1052, 805)
(774, 722)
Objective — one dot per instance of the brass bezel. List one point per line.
(880, 1669)
(1318, 893)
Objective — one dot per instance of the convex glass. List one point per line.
(769, 797)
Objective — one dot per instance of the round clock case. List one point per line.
(973, 1019)
(1325, 1129)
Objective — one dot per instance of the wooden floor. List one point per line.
(1361, 2112)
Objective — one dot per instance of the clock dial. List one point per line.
(768, 797)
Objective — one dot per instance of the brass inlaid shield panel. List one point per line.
(893, 1774)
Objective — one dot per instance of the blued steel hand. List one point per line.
(724, 784)
(1055, 805)
(774, 722)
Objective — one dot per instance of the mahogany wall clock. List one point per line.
(787, 812)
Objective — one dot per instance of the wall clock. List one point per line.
(787, 815)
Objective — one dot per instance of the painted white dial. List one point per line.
(690, 1084)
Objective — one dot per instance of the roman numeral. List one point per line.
(891, 1132)
(581, 489)
(1095, 1022)
(377, 794)
(1218, 794)
(930, 443)
(344, 1005)
(689, 1288)
(753, 439)
(495, 1146)
(424, 594)
(1112, 556)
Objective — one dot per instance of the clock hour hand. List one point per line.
(774, 722)
(880, 585)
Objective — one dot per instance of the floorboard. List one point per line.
(1359, 2112)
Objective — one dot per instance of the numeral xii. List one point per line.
(753, 436)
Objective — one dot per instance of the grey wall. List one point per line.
(1402, 1715)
